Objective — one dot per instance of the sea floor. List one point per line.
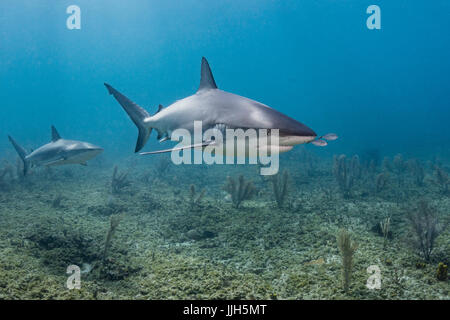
(166, 246)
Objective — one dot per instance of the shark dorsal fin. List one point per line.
(160, 107)
(55, 134)
(206, 77)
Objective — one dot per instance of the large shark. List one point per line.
(58, 152)
(216, 109)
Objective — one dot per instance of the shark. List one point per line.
(57, 152)
(217, 109)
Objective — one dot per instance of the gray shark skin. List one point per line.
(216, 109)
(57, 152)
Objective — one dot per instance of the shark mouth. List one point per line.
(286, 138)
(219, 134)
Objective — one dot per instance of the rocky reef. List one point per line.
(152, 230)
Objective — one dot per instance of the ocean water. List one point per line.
(168, 231)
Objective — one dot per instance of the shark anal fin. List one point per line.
(55, 134)
(206, 77)
(196, 145)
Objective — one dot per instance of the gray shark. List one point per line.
(56, 153)
(216, 109)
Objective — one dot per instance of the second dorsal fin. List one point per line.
(206, 77)
(160, 107)
(55, 134)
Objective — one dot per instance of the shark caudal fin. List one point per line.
(22, 154)
(136, 114)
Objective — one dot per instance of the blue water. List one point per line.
(225, 232)
(316, 61)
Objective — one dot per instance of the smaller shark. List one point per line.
(57, 152)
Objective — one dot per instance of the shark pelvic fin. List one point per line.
(196, 145)
(206, 77)
(55, 134)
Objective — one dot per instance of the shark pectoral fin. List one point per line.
(196, 145)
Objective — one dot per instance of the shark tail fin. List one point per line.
(136, 114)
(22, 154)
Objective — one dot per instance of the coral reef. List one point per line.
(346, 172)
(381, 181)
(57, 201)
(177, 241)
(442, 272)
(442, 179)
(347, 249)
(418, 171)
(119, 181)
(385, 226)
(194, 199)
(400, 166)
(162, 166)
(426, 228)
(6, 176)
(280, 187)
(113, 224)
(240, 190)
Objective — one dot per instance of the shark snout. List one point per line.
(91, 150)
(298, 135)
(96, 150)
(305, 131)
